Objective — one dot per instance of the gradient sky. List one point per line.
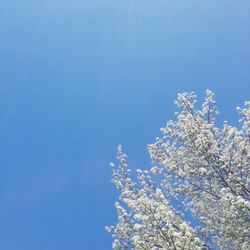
(79, 77)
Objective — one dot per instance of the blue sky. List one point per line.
(79, 77)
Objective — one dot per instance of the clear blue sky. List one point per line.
(79, 77)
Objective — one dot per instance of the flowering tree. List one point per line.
(203, 167)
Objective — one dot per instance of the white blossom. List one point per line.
(201, 165)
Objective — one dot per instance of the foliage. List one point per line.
(202, 166)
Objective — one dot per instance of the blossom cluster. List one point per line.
(205, 167)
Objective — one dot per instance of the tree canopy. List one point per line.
(201, 166)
